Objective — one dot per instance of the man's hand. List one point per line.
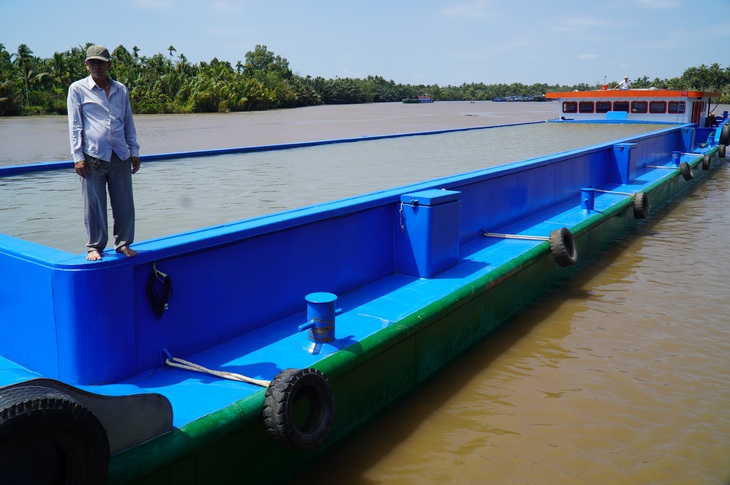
(81, 168)
(135, 164)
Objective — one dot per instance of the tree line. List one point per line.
(169, 83)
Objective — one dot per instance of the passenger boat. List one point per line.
(287, 332)
(424, 98)
(672, 106)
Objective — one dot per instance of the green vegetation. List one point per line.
(168, 83)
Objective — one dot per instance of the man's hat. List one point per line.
(98, 52)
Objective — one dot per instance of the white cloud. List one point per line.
(577, 24)
(474, 9)
(588, 56)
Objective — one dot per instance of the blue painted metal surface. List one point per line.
(220, 271)
(428, 243)
(241, 289)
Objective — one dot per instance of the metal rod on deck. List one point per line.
(515, 236)
(614, 192)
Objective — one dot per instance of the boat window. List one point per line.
(621, 106)
(603, 106)
(570, 107)
(586, 106)
(676, 106)
(639, 106)
(658, 107)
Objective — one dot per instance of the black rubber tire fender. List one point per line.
(641, 205)
(47, 436)
(562, 247)
(721, 151)
(686, 171)
(288, 388)
(706, 161)
(725, 135)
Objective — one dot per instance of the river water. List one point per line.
(619, 375)
(188, 194)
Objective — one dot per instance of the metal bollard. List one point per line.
(321, 317)
(587, 199)
(676, 158)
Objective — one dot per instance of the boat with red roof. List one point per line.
(663, 105)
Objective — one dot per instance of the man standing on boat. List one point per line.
(105, 153)
(625, 84)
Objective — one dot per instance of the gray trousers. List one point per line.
(116, 175)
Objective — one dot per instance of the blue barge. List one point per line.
(240, 353)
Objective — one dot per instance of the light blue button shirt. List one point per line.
(99, 124)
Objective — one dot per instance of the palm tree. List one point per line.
(23, 60)
(5, 59)
(59, 70)
(10, 100)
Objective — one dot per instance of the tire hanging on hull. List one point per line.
(562, 247)
(686, 171)
(48, 437)
(706, 162)
(725, 135)
(641, 205)
(299, 408)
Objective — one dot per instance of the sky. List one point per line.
(409, 42)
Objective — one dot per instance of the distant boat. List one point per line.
(663, 105)
(512, 99)
(424, 98)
